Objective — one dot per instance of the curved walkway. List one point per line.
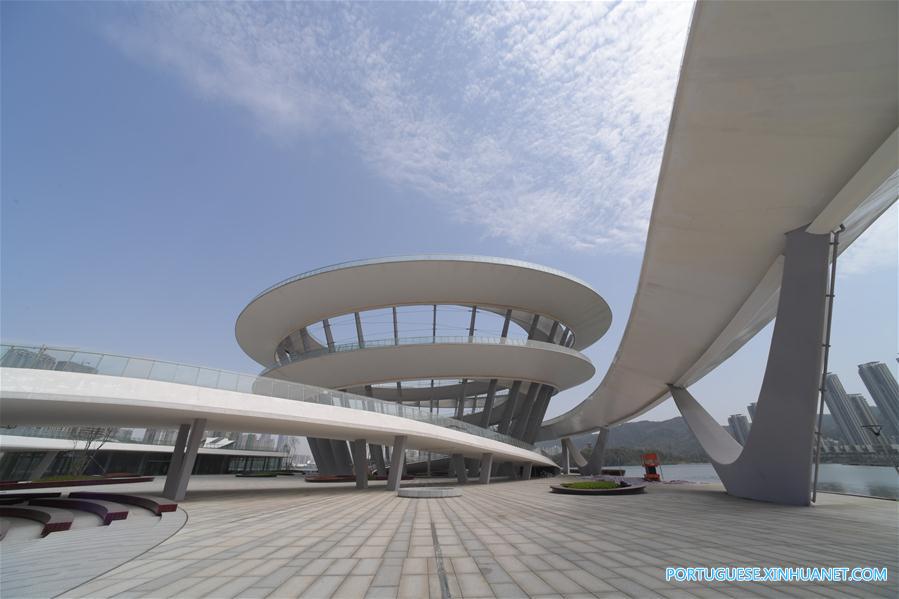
(747, 160)
(383, 361)
(34, 391)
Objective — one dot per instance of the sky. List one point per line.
(163, 163)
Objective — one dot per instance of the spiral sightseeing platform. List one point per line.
(484, 340)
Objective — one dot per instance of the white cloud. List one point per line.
(543, 123)
(876, 249)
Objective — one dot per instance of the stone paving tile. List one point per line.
(505, 540)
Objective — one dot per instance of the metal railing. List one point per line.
(448, 340)
(165, 439)
(73, 360)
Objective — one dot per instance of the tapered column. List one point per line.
(566, 460)
(524, 410)
(526, 471)
(329, 338)
(360, 464)
(535, 418)
(377, 453)
(194, 439)
(323, 455)
(486, 467)
(459, 466)
(511, 401)
(171, 479)
(594, 464)
(776, 462)
(343, 461)
(397, 463)
(488, 404)
(360, 338)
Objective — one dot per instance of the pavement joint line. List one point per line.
(441, 570)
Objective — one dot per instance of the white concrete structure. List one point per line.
(505, 377)
(785, 117)
(101, 389)
(783, 139)
(52, 397)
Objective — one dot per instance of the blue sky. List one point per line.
(162, 163)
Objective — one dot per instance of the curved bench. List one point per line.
(157, 505)
(53, 519)
(12, 498)
(107, 510)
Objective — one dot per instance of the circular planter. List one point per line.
(628, 490)
(429, 492)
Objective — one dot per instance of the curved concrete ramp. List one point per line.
(785, 117)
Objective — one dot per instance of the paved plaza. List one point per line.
(285, 538)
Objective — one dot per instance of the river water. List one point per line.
(871, 481)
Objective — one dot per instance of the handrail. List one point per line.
(72, 360)
(446, 340)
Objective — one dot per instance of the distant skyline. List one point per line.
(163, 163)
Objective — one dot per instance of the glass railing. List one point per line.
(72, 360)
(458, 340)
(167, 439)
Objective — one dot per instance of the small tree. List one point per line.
(94, 438)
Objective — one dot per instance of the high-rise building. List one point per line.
(884, 391)
(862, 410)
(751, 409)
(847, 420)
(739, 428)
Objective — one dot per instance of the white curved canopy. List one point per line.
(54, 397)
(419, 280)
(785, 117)
(536, 361)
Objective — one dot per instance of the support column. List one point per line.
(377, 453)
(397, 463)
(190, 457)
(474, 315)
(171, 479)
(343, 461)
(328, 337)
(360, 464)
(526, 471)
(552, 332)
(506, 322)
(486, 467)
(459, 466)
(396, 328)
(434, 325)
(566, 460)
(533, 330)
(359, 336)
(323, 455)
(519, 427)
(776, 463)
(42, 466)
(304, 339)
(488, 404)
(511, 402)
(460, 405)
(594, 464)
(535, 418)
